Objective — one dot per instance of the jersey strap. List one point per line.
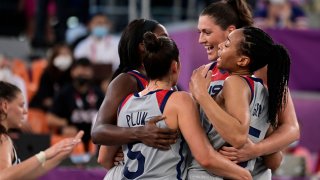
(217, 74)
(251, 85)
(123, 102)
(162, 97)
(141, 79)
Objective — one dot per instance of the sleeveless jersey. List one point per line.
(15, 158)
(144, 162)
(142, 80)
(116, 171)
(258, 119)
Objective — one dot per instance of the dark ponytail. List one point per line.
(229, 12)
(278, 78)
(262, 51)
(128, 48)
(160, 52)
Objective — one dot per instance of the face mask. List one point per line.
(100, 31)
(5, 74)
(81, 81)
(62, 62)
(277, 1)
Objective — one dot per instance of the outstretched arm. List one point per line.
(203, 152)
(105, 131)
(33, 167)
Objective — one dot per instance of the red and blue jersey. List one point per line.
(142, 80)
(142, 161)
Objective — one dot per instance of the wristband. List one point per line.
(41, 156)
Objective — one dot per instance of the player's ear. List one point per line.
(244, 61)
(175, 66)
(3, 106)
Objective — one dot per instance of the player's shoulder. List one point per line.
(234, 78)
(181, 96)
(124, 79)
(5, 140)
(234, 82)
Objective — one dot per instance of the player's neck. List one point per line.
(156, 85)
(241, 73)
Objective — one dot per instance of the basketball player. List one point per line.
(130, 77)
(244, 104)
(12, 113)
(130, 50)
(215, 23)
(162, 65)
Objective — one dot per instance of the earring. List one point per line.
(3, 116)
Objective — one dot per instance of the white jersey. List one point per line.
(144, 162)
(258, 120)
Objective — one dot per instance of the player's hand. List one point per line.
(63, 147)
(118, 158)
(245, 153)
(200, 81)
(152, 135)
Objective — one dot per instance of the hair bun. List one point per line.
(151, 42)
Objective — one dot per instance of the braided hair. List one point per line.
(262, 51)
(131, 37)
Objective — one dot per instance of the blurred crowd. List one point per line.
(74, 52)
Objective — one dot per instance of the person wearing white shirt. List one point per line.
(100, 46)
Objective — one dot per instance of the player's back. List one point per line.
(144, 162)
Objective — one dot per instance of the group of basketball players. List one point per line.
(245, 117)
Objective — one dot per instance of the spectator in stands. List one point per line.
(100, 46)
(7, 75)
(58, 11)
(281, 14)
(12, 113)
(76, 105)
(54, 77)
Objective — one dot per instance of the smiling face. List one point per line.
(16, 112)
(229, 57)
(211, 35)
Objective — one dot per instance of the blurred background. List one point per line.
(33, 33)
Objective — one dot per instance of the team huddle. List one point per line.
(231, 105)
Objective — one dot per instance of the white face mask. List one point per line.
(62, 62)
(5, 74)
(277, 1)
